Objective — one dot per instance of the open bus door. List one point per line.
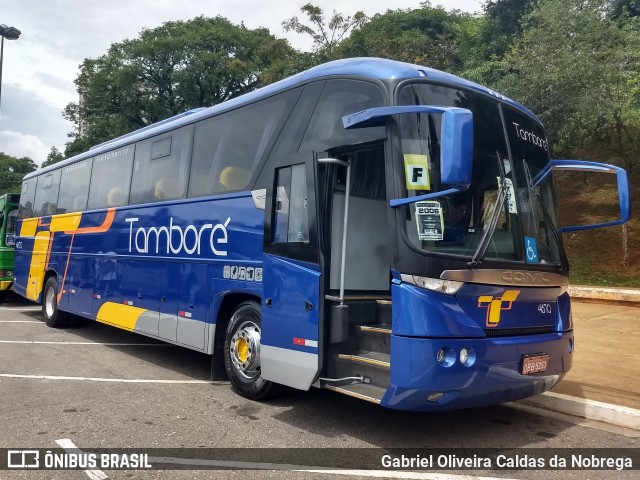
(292, 303)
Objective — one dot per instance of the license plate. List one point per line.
(534, 363)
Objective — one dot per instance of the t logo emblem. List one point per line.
(495, 306)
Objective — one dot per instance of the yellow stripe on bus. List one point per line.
(66, 222)
(36, 269)
(29, 227)
(119, 315)
(4, 284)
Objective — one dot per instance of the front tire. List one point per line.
(52, 316)
(242, 354)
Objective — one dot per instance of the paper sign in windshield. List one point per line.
(416, 171)
(511, 195)
(429, 220)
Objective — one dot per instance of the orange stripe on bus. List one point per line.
(106, 225)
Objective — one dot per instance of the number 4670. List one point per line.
(544, 308)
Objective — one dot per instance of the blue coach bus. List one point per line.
(376, 228)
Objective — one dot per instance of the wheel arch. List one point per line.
(229, 303)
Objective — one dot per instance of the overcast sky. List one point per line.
(57, 35)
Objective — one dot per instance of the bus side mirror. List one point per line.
(624, 194)
(456, 138)
(456, 148)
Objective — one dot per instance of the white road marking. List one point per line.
(22, 321)
(22, 309)
(88, 343)
(92, 474)
(308, 469)
(95, 379)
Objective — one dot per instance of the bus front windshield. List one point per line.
(501, 192)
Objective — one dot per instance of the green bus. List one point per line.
(9, 203)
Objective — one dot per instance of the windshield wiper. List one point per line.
(480, 252)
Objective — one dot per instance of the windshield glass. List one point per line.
(456, 224)
(537, 204)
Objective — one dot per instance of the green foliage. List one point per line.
(168, 70)
(54, 156)
(12, 170)
(429, 36)
(326, 35)
(579, 69)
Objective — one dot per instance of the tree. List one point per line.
(579, 67)
(427, 36)
(581, 71)
(54, 156)
(326, 36)
(12, 169)
(168, 70)
(485, 42)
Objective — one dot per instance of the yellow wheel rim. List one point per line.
(242, 349)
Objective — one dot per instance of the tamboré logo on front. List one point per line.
(495, 305)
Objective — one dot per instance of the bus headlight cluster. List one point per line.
(448, 356)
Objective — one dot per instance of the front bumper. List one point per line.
(493, 378)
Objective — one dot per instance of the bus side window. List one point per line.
(229, 147)
(339, 98)
(74, 187)
(47, 194)
(161, 167)
(27, 198)
(291, 223)
(111, 178)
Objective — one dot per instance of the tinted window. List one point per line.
(291, 215)
(161, 167)
(47, 194)
(291, 136)
(27, 197)
(74, 187)
(339, 98)
(229, 147)
(10, 231)
(111, 178)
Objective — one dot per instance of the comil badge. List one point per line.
(496, 305)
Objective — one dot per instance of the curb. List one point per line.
(606, 294)
(584, 408)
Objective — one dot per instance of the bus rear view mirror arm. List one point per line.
(456, 142)
(624, 194)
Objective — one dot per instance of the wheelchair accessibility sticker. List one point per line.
(531, 250)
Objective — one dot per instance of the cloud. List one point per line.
(33, 115)
(19, 145)
(57, 35)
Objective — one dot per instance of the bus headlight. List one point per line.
(450, 287)
(446, 356)
(467, 356)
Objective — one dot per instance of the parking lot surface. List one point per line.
(100, 387)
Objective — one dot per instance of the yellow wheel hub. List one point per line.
(242, 349)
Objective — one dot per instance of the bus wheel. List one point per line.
(52, 316)
(242, 353)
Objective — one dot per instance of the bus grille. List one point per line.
(507, 332)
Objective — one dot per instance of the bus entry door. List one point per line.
(291, 336)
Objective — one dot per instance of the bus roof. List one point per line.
(373, 68)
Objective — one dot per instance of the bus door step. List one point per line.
(363, 391)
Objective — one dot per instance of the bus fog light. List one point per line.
(570, 345)
(435, 397)
(446, 356)
(467, 356)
